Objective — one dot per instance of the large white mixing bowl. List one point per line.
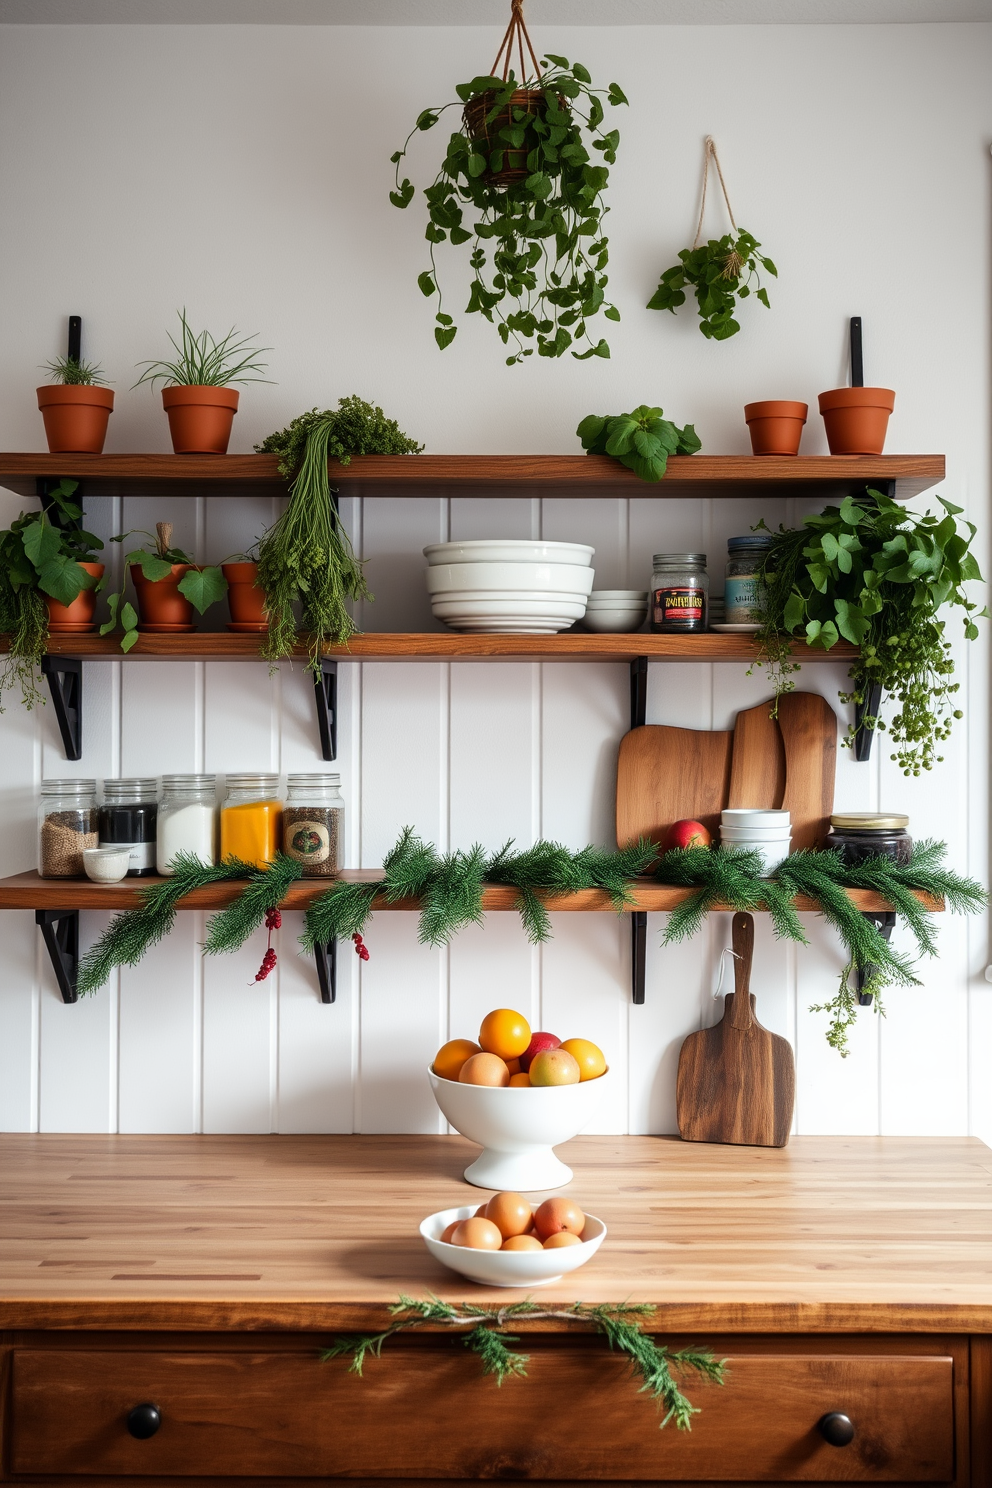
(516, 578)
(517, 1127)
(508, 550)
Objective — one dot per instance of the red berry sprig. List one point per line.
(273, 921)
(361, 949)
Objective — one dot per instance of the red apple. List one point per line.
(687, 834)
(538, 1043)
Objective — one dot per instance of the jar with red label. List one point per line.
(679, 590)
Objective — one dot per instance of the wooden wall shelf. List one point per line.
(817, 476)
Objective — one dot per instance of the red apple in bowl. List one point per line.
(687, 834)
(538, 1043)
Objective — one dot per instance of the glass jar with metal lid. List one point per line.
(129, 816)
(313, 824)
(679, 589)
(251, 819)
(67, 824)
(742, 592)
(187, 820)
(870, 834)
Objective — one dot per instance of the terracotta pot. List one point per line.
(77, 617)
(75, 418)
(246, 600)
(856, 419)
(161, 608)
(200, 418)
(775, 427)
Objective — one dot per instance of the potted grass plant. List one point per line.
(75, 406)
(198, 395)
(168, 584)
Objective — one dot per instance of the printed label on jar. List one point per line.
(142, 854)
(744, 600)
(308, 842)
(678, 609)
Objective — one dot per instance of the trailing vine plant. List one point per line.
(872, 573)
(642, 440)
(621, 1324)
(521, 165)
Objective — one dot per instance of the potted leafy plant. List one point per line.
(642, 440)
(198, 396)
(521, 164)
(48, 581)
(76, 407)
(245, 596)
(169, 587)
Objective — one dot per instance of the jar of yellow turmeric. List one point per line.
(251, 819)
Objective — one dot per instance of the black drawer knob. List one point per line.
(836, 1428)
(145, 1420)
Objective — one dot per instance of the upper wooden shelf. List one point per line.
(821, 476)
(29, 891)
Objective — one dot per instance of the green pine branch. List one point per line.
(229, 929)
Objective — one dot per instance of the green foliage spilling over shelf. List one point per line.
(642, 440)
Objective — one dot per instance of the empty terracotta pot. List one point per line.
(857, 419)
(776, 426)
(161, 608)
(78, 616)
(76, 418)
(246, 600)
(200, 418)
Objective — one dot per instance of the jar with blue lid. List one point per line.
(743, 591)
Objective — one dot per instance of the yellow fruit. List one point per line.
(560, 1238)
(449, 1059)
(484, 1069)
(510, 1213)
(505, 1033)
(477, 1234)
(521, 1081)
(589, 1057)
(554, 1067)
(522, 1242)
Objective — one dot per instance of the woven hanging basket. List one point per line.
(480, 132)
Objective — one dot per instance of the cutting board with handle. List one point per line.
(737, 1080)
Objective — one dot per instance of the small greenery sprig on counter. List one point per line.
(622, 1324)
(872, 573)
(719, 272)
(642, 440)
(306, 558)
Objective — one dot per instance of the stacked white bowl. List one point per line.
(619, 611)
(767, 832)
(509, 586)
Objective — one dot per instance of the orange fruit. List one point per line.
(555, 1215)
(560, 1238)
(521, 1080)
(451, 1056)
(555, 1067)
(589, 1057)
(510, 1213)
(449, 1230)
(522, 1242)
(505, 1033)
(477, 1234)
(513, 1065)
(484, 1069)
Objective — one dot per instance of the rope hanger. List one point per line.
(709, 148)
(516, 32)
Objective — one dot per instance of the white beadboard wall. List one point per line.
(242, 171)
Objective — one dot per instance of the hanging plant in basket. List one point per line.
(521, 165)
(719, 272)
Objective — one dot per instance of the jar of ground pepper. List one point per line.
(313, 824)
(870, 834)
(67, 824)
(129, 815)
(251, 819)
(679, 587)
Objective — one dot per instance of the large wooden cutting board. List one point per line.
(808, 726)
(757, 767)
(665, 775)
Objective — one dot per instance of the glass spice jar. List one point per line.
(67, 824)
(679, 589)
(744, 595)
(251, 819)
(870, 834)
(313, 824)
(187, 820)
(128, 816)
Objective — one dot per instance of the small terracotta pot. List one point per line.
(857, 419)
(245, 598)
(78, 616)
(76, 418)
(775, 427)
(160, 605)
(200, 418)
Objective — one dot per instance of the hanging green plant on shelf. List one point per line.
(521, 165)
(202, 586)
(719, 272)
(622, 1324)
(642, 440)
(306, 558)
(872, 573)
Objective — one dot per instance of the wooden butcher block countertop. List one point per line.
(315, 1232)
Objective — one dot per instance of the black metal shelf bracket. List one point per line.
(65, 680)
(884, 921)
(638, 691)
(60, 932)
(638, 919)
(865, 733)
(326, 690)
(327, 970)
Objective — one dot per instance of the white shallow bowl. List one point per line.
(106, 864)
(604, 619)
(561, 609)
(518, 1127)
(770, 853)
(509, 627)
(756, 834)
(741, 816)
(508, 550)
(454, 578)
(508, 1268)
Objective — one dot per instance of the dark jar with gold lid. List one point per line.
(870, 834)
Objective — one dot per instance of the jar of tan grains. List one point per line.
(313, 824)
(251, 819)
(67, 824)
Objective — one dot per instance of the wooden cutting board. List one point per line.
(757, 767)
(737, 1080)
(808, 727)
(665, 775)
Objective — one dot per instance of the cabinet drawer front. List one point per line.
(429, 1413)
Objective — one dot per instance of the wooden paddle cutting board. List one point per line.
(665, 775)
(737, 1080)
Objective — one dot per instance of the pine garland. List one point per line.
(229, 929)
(620, 1324)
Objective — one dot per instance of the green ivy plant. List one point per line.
(720, 273)
(202, 586)
(201, 361)
(872, 573)
(642, 440)
(547, 277)
(39, 557)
